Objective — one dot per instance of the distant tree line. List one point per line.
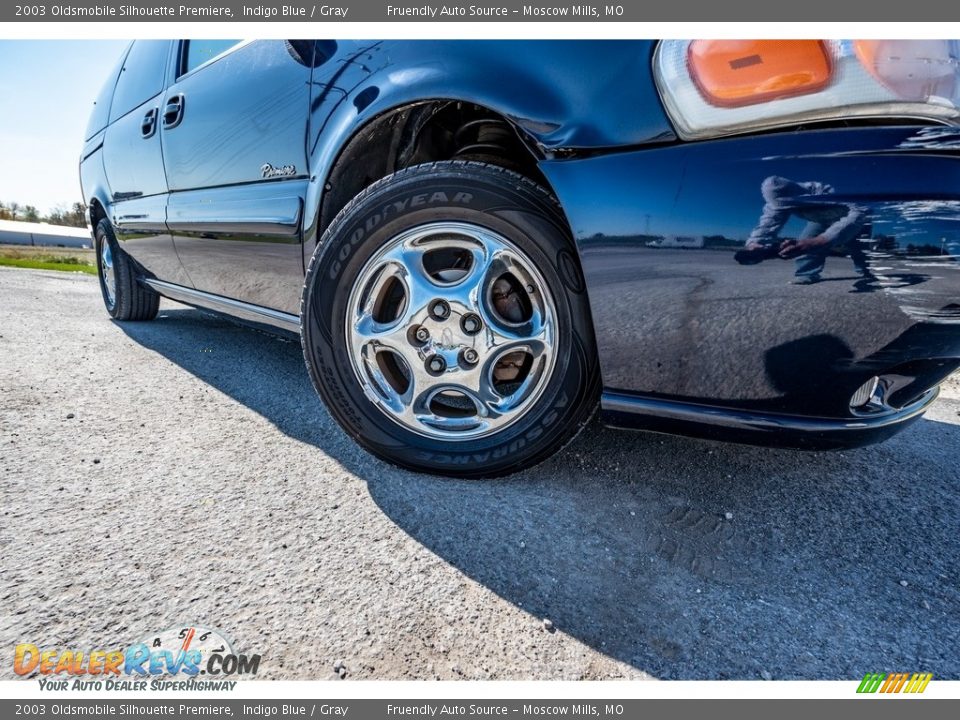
(73, 216)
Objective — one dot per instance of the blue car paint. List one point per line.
(694, 326)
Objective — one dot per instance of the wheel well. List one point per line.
(422, 133)
(96, 212)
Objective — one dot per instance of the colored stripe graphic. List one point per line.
(870, 683)
(894, 682)
(919, 682)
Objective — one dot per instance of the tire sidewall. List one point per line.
(530, 221)
(104, 234)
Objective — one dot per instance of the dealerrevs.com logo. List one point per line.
(173, 659)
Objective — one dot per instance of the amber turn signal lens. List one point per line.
(733, 73)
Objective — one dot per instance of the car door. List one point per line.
(234, 133)
(133, 162)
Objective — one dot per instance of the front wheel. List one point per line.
(123, 296)
(445, 322)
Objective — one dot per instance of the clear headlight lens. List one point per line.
(722, 87)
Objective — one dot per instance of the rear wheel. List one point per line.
(123, 296)
(446, 325)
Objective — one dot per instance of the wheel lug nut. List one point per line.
(422, 334)
(471, 324)
(440, 310)
(470, 356)
(436, 364)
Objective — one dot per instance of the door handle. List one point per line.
(173, 112)
(148, 126)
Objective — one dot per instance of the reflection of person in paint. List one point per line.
(831, 226)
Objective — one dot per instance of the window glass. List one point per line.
(199, 51)
(141, 77)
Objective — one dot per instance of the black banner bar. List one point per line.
(482, 11)
(873, 708)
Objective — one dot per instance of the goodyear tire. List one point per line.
(123, 296)
(445, 322)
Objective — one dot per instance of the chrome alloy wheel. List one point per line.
(451, 331)
(108, 273)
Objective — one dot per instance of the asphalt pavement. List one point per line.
(183, 471)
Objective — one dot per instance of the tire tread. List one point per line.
(134, 301)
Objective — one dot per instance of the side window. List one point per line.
(196, 52)
(141, 77)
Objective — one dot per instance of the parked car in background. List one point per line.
(480, 243)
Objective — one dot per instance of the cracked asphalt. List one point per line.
(183, 471)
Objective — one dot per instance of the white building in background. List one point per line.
(15, 232)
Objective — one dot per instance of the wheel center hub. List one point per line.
(447, 339)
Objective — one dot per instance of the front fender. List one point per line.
(93, 184)
(559, 95)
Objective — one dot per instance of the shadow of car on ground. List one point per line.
(684, 558)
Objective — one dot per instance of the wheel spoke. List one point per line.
(406, 262)
(379, 282)
(535, 332)
(371, 337)
(486, 264)
(487, 399)
(535, 347)
(415, 403)
(380, 335)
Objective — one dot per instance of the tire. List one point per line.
(127, 299)
(496, 219)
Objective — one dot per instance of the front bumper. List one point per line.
(695, 335)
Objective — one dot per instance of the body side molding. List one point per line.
(217, 303)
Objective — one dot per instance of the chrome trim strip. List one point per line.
(258, 313)
(254, 226)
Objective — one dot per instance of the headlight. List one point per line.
(722, 87)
